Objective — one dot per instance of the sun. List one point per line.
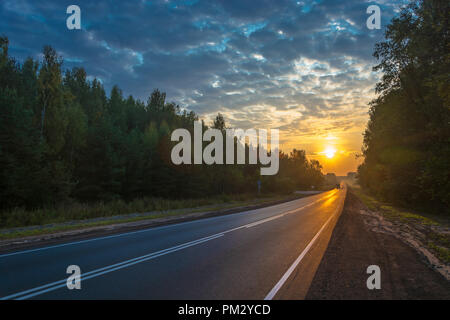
(330, 152)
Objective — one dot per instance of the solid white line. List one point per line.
(116, 268)
(70, 243)
(283, 279)
(286, 276)
(97, 272)
(131, 232)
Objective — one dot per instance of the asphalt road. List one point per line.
(268, 253)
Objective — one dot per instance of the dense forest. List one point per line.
(63, 139)
(407, 140)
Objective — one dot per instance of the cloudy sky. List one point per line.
(304, 67)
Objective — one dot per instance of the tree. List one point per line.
(219, 122)
(407, 140)
(63, 139)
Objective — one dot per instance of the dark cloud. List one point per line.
(243, 56)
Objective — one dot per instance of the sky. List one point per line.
(303, 67)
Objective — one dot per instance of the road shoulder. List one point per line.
(405, 274)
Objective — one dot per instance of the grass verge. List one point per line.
(22, 223)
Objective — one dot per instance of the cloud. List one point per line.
(284, 63)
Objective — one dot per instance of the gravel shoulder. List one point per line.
(406, 273)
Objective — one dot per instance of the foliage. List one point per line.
(63, 140)
(407, 140)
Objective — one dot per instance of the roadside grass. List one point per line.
(392, 212)
(80, 225)
(440, 244)
(21, 223)
(442, 253)
(437, 242)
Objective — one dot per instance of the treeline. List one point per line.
(63, 139)
(407, 140)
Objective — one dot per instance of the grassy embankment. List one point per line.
(21, 222)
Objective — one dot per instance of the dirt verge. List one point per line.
(355, 245)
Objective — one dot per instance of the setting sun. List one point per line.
(330, 152)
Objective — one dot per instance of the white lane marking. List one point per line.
(282, 214)
(95, 273)
(286, 276)
(252, 224)
(71, 243)
(127, 233)
(265, 220)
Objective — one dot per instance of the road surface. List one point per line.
(268, 253)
